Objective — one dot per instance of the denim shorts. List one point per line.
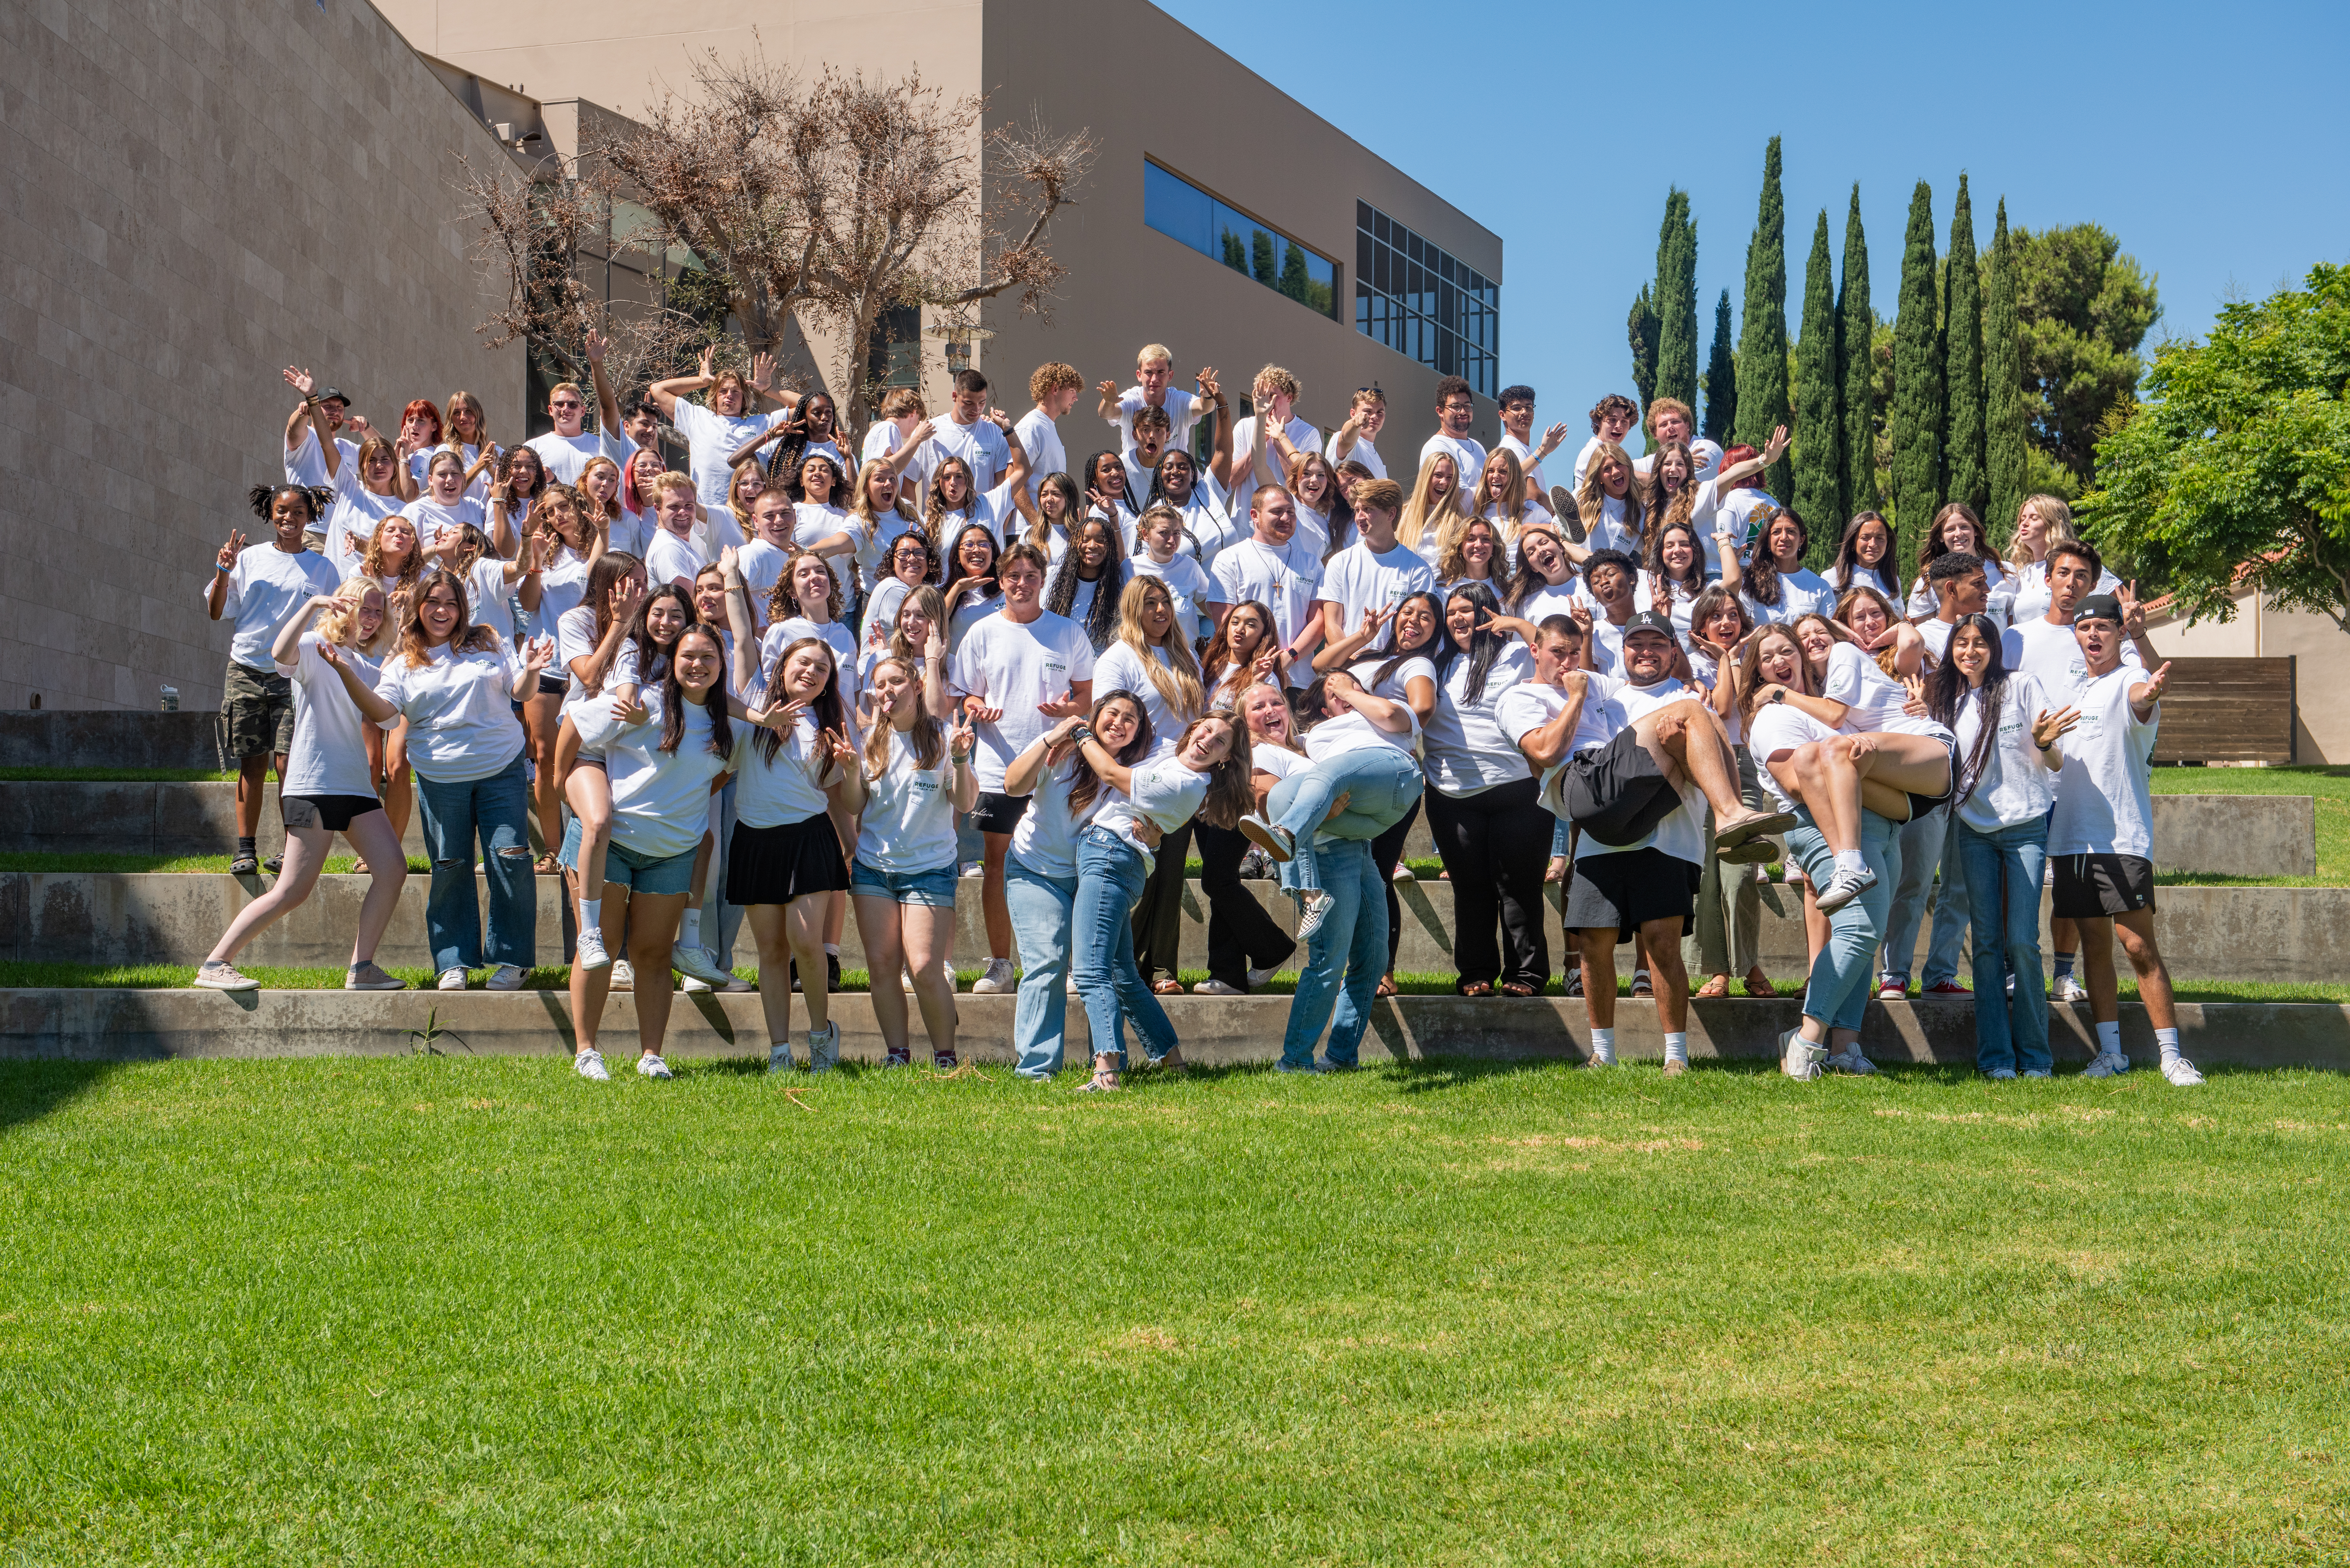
(933, 889)
(654, 876)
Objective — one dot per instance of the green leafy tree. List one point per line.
(1763, 326)
(2083, 309)
(1722, 378)
(1856, 338)
(1676, 302)
(2235, 471)
(1819, 411)
(1641, 328)
(1917, 421)
(1963, 364)
(1294, 282)
(2007, 465)
(1261, 259)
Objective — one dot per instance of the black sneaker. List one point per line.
(831, 972)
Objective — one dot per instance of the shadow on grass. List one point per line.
(31, 1090)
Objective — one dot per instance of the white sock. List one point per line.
(1602, 1045)
(1677, 1048)
(591, 914)
(2109, 1039)
(2167, 1039)
(832, 949)
(689, 934)
(1850, 860)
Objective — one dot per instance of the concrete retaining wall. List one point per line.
(2206, 933)
(91, 738)
(137, 1025)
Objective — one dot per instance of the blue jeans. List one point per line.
(2003, 871)
(1837, 994)
(498, 809)
(729, 913)
(1381, 783)
(1926, 842)
(1042, 909)
(1352, 943)
(1110, 874)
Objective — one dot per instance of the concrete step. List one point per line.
(2281, 934)
(2236, 835)
(140, 1025)
(115, 738)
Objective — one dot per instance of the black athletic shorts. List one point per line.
(552, 685)
(2100, 886)
(332, 812)
(1629, 890)
(1919, 805)
(999, 812)
(1615, 793)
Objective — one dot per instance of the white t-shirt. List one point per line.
(565, 457)
(876, 539)
(432, 519)
(1528, 705)
(761, 565)
(661, 800)
(1924, 601)
(562, 587)
(1875, 699)
(1781, 727)
(306, 466)
(1525, 455)
(2102, 798)
(575, 638)
(780, 634)
(329, 751)
(1358, 579)
(2051, 655)
(1802, 592)
(812, 525)
(1552, 598)
(2013, 787)
(1120, 668)
(1253, 464)
(1605, 650)
(907, 824)
(265, 587)
(1613, 529)
(1014, 666)
(1164, 792)
(1707, 668)
(488, 596)
(1362, 452)
(352, 516)
(1183, 413)
(980, 445)
(1467, 750)
(883, 440)
(459, 712)
(712, 438)
(1673, 601)
(1682, 834)
(1040, 438)
(781, 791)
(1208, 527)
(1885, 583)
(1187, 585)
(1284, 579)
(881, 607)
(1351, 731)
(1467, 459)
(1046, 841)
(670, 559)
(2028, 598)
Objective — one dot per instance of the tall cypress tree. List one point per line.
(2006, 455)
(1819, 413)
(1721, 379)
(1762, 336)
(1855, 353)
(1962, 363)
(1676, 302)
(1640, 328)
(1917, 417)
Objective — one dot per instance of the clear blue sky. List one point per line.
(2209, 138)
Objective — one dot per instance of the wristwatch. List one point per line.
(1780, 695)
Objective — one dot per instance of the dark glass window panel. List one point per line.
(1177, 208)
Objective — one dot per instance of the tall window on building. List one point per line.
(894, 356)
(1424, 303)
(1182, 211)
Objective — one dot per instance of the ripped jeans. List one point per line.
(498, 809)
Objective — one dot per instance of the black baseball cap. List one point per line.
(1649, 621)
(2099, 607)
(335, 395)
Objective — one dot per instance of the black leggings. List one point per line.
(1496, 845)
(1386, 850)
(1158, 913)
(1242, 933)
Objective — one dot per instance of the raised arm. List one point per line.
(328, 452)
(1108, 768)
(740, 620)
(667, 391)
(762, 384)
(1016, 474)
(1220, 461)
(1109, 409)
(1737, 473)
(374, 709)
(607, 407)
(775, 432)
(216, 595)
(288, 645)
(1394, 717)
(1545, 745)
(898, 461)
(1023, 772)
(1339, 644)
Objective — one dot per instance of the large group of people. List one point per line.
(774, 683)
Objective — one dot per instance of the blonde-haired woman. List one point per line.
(1152, 658)
(1434, 511)
(394, 561)
(566, 544)
(1507, 498)
(329, 787)
(2041, 523)
(1609, 503)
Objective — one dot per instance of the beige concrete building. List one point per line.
(1148, 252)
(198, 196)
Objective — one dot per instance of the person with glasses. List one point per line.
(566, 450)
(1456, 406)
(1518, 440)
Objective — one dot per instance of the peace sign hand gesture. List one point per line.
(230, 551)
(961, 739)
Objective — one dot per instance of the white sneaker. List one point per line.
(453, 979)
(650, 1065)
(2068, 988)
(824, 1048)
(223, 977)
(1311, 910)
(1851, 1062)
(974, 869)
(590, 1064)
(1844, 887)
(1257, 976)
(2106, 1064)
(779, 1056)
(1891, 990)
(905, 979)
(697, 963)
(2180, 1073)
(1798, 1058)
(994, 980)
(1073, 983)
(505, 977)
(1216, 988)
(590, 950)
(624, 975)
(1276, 842)
(1403, 873)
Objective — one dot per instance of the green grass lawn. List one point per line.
(456, 1311)
(54, 861)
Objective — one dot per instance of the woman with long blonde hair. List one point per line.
(600, 486)
(394, 561)
(1434, 509)
(1152, 658)
(1609, 505)
(563, 549)
(1506, 497)
(2041, 523)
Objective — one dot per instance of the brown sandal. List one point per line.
(1387, 986)
(1167, 988)
(1712, 989)
(547, 865)
(1476, 988)
(1762, 987)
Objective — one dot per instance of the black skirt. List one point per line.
(777, 865)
